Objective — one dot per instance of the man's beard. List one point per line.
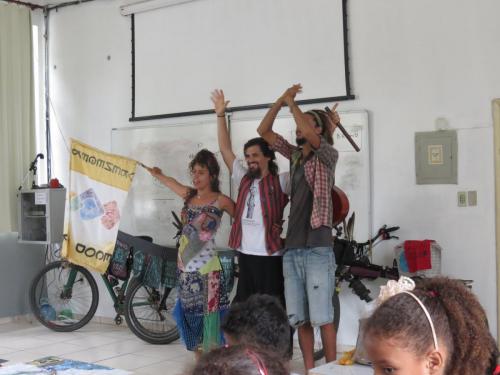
(300, 141)
(254, 172)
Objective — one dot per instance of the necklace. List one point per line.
(201, 197)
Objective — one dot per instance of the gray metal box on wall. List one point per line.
(41, 215)
(436, 157)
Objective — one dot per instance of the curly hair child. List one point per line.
(438, 328)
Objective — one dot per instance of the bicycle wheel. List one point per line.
(318, 345)
(148, 313)
(63, 296)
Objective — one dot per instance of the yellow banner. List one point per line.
(88, 254)
(113, 170)
(99, 184)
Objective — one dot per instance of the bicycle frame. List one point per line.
(355, 263)
(118, 297)
(74, 296)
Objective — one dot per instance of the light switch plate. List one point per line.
(462, 199)
(472, 197)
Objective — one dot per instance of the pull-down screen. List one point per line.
(253, 49)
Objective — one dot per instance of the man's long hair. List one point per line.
(266, 151)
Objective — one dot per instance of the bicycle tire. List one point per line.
(319, 352)
(140, 301)
(60, 308)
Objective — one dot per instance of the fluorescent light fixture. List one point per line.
(147, 5)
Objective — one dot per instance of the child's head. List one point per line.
(438, 328)
(240, 360)
(260, 321)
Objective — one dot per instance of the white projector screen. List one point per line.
(253, 49)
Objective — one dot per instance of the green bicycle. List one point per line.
(64, 296)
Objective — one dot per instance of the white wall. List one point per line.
(411, 62)
(414, 61)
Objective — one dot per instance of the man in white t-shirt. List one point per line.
(258, 218)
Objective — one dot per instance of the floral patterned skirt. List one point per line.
(202, 301)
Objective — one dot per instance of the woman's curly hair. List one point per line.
(208, 160)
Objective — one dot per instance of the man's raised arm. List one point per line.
(265, 128)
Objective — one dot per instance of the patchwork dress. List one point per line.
(204, 279)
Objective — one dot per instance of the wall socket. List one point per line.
(472, 197)
(462, 198)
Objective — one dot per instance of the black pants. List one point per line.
(260, 275)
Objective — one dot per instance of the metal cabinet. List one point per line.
(41, 215)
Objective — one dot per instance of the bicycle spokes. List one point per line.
(150, 312)
(62, 297)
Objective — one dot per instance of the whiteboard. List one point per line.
(352, 173)
(149, 204)
(248, 47)
(171, 147)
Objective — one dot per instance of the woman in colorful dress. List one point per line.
(203, 284)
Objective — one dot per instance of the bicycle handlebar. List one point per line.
(391, 229)
(382, 232)
(360, 267)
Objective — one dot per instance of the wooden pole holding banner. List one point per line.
(144, 166)
(346, 134)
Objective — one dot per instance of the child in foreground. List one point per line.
(240, 360)
(438, 328)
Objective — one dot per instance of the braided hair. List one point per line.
(321, 119)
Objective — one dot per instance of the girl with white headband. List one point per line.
(438, 328)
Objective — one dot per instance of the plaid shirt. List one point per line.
(319, 173)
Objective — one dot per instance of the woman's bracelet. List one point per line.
(223, 115)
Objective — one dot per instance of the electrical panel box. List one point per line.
(41, 215)
(436, 157)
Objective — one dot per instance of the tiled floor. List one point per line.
(104, 344)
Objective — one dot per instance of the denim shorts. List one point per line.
(309, 285)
